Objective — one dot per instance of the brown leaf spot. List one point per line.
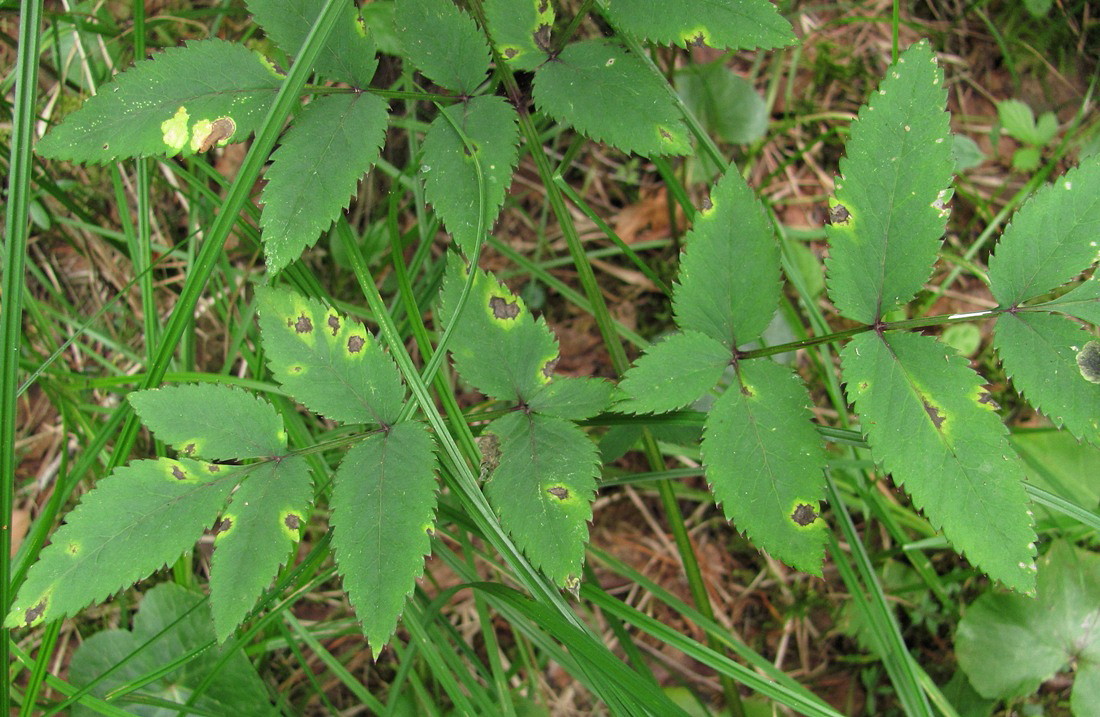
(106, 146)
(502, 308)
(334, 324)
(558, 492)
(987, 398)
(72, 548)
(747, 392)
(178, 473)
(549, 366)
(213, 468)
(839, 214)
(542, 38)
(189, 449)
(220, 129)
(707, 204)
(665, 134)
(543, 6)
(223, 525)
(355, 344)
(804, 514)
(699, 40)
(303, 325)
(1088, 361)
(292, 521)
(35, 612)
(510, 53)
(933, 413)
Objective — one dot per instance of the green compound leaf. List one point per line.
(211, 421)
(329, 363)
(764, 463)
(348, 55)
(890, 212)
(444, 43)
(572, 398)
(929, 423)
(137, 520)
(184, 100)
(315, 171)
(610, 96)
(1082, 301)
(520, 30)
(450, 177)
(383, 514)
(497, 345)
(543, 489)
(255, 536)
(1052, 239)
(722, 24)
(729, 273)
(1039, 352)
(673, 372)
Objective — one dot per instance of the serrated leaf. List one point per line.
(444, 43)
(572, 398)
(728, 287)
(140, 518)
(1039, 352)
(1051, 239)
(450, 177)
(211, 421)
(725, 103)
(183, 100)
(348, 54)
(254, 537)
(383, 514)
(331, 364)
(673, 372)
(497, 345)
(930, 424)
(520, 30)
(313, 174)
(722, 24)
(609, 95)
(893, 191)
(1083, 301)
(764, 463)
(543, 489)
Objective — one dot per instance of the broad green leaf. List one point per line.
(764, 463)
(722, 24)
(1039, 352)
(930, 423)
(521, 30)
(349, 53)
(543, 489)
(450, 177)
(378, 16)
(673, 372)
(893, 190)
(1008, 645)
(383, 514)
(725, 103)
(609, 95)
(729, 272)
(255, 535)
(497, 345)
(572, 398)
(444, 43)
(967, 153)
(331, 364)
(1052, 238)
(140, 518)
(331, 145)
(211, 421)
(170, 624)
(183, 100)
(1083, 301)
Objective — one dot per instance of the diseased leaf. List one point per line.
(383, 514)
(722, 24)
(254, 537)
(348, 54)
(1052, 238)
(543, 489)
(728, 287)
(1083, 301)
(1039, 352)
(211, 421)
(764, 463)
(673, 372)
(331, 145)
(183, 100)
(444, 43)
(891, 197)
(572, 398)
(331, 364)
(450, 177)
(610, 96)
(140, 518)
(521, 30)
(929, 423)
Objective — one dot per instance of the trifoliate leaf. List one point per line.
(211, 421)
(764, 463)
(444, 43)
(450, 177)
(183, 100)
(137, 520)
(331, 145)
(520, 30)
(891, 198)
(722, 24)
(673, 372)
(930, 423)
(329, 363)
(383, 514)
(609, 95)
(572, 398)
